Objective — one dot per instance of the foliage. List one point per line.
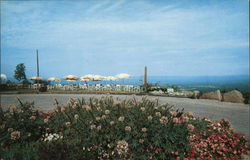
(246, 96)
(109, 128)
(176, 88)
(20, 72)
(26, 82)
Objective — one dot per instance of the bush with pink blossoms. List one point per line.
(109, 128)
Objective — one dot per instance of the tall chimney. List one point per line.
(145, 77)
(37, 63)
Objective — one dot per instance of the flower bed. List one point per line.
(108, 128)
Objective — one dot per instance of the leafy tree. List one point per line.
(20, 72)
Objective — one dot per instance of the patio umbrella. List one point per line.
(36, 78)
(123, 76)
(98, 78)
(85, 80)
(111, 78)
(88, 76)
(54, 79)
(71, 78)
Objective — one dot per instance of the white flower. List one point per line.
(143, 108)
(97, 118)
(46, 120)
(68, 124)
(121, 119)
(156, 108)
(12, 108)
(33, 117)
(76, 116)
(144, 129)
(141, 141)
(186, 119)
(174, 114)
(163, 120)
(99, 127)
(10, 129)
(86, 107)
(52, 137)
(158, 114)
(163, 108)
(127, 128)
(107, 112)
(15, 135)
(103, 116)
(122, 147)
(92, 126)
(190, 127)
(112, 123)
(150, 118)
(74, 106)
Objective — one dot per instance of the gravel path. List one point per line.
(238, 114)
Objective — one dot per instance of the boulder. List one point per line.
(188, 94)
(212, 95)
(233, 96)
(157, 92)
(197, 94)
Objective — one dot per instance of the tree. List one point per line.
(20, 72)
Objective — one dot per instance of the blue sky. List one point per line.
(188, 38)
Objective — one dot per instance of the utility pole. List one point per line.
(145, 78)
(37, 63)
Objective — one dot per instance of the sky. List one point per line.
(107, 37)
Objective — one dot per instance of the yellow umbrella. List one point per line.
(36, 78)
(84, 79)
(98, 78)
(111, 78)
(71, 78)
(88, 76)
(54, 79)
(123, 75)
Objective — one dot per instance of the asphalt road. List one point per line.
(238, 114)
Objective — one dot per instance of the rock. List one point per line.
(196, 94)
(212, 95)
(157, 92)
(233, 96)
(188, 94)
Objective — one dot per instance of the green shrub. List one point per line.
(109, 128)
